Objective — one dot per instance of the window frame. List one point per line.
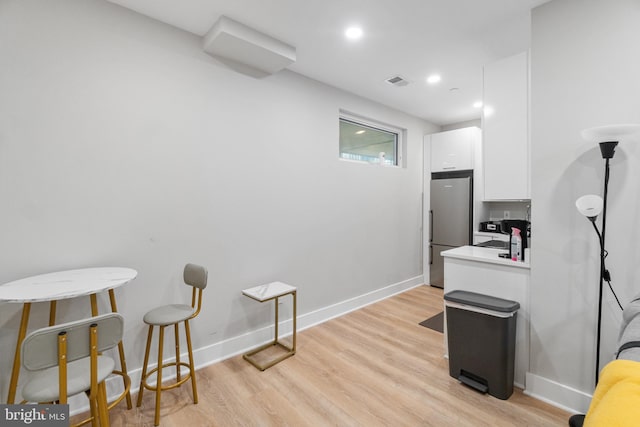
(375, 125)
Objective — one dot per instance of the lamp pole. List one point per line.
(608, 150)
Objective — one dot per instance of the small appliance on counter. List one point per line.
(491, 227)
(523, 226)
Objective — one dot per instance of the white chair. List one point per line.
(65, 360)
(167, 315)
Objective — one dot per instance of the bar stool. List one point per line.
(173, 314)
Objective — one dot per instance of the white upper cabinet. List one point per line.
(453, 150)
(505, 129)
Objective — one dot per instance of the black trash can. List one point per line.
(481, 334)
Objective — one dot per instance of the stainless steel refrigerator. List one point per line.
(450, 218)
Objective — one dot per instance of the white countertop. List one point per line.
(488, 255)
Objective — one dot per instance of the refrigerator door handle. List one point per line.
(431, 225)
(430, 255)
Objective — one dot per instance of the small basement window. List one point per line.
(368, 141)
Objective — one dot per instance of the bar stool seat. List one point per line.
(168, 314)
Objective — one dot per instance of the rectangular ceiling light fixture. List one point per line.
(229, 39)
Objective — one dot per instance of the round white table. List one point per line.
(60, 285)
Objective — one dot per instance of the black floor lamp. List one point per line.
(591, 205)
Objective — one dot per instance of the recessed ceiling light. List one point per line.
(353, 33)
(477, 104)
(434, 78)
(360, 132)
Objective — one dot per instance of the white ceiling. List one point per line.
(410, 38)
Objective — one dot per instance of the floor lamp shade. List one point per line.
(608, 133)
(590, 206)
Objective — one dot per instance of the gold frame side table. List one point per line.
(262, 293)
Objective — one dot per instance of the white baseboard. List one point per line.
(556, 394)
(240, 344)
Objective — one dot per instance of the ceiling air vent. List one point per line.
(397, 81)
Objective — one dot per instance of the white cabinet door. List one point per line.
(453, 150)
(505, 129)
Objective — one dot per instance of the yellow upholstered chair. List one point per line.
(65, 360)
(167, 315)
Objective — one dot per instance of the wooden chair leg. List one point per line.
(143, 379)
(191, 368)
(159, 377)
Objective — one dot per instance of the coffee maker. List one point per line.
(520, 224)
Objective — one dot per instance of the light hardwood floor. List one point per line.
(373, 367)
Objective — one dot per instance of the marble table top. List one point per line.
(65, 284)
(268, 291)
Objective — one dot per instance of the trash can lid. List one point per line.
(482, 301)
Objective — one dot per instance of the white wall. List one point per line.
(585, 68)
(123, 144)
(459, 125)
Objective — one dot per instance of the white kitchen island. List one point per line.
(481, 270)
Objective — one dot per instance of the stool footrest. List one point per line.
(184, 377)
